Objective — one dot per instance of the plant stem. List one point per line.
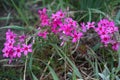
(25, 68)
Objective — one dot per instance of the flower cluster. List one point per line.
(44, 17)
(106, 30)
(65, 27)
(68, 29)
(15, 46)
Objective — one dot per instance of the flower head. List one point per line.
(26, 48)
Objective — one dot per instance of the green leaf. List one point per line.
(34, 77)
(102, 76)
(89, 12)
(106, 71)
(13, 27)
(117, 18)
(30, 67)
(74, 76)
(54, 75)
(96, 47)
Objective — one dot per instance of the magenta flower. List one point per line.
(116, 46)
(44, 17)
(26, 48)
(76, 36)
(71, 22)
(8, 52)
(18, 50)
(43, 34)
(10, 35)
(9, 44)
(98, 29)
(66, 29)
(55, 24)
(83, 27)
(58, 15)
(22, 38)
(105, 39)
(90, 25)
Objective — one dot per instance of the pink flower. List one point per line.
(8, 52)
(10, 35)
(22, 38)
(26, 48)
(58, 15)
(43, 34)
(84, 28)
(99, 28)
(116, 46)
(71, 22)
(55, 25)
(18, 51)
(76, 36)
(66, 29)
(45, 21)
(90, 25)
(102, 33)
(43, 11)
(9, 44)
(105, 39)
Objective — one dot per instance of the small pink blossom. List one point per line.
(22, 38)
(10, 35)
(116, 46)
(45, 21)
(9, 44)
(90, 25)
(43, 34)
(76, 36)
(18, 51)
(58, 15)
(71, 22)
(105, 39)
(26, 48)
(66, 29)
(83, 27)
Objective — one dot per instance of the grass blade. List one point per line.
(13, 27)
(54, 75)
